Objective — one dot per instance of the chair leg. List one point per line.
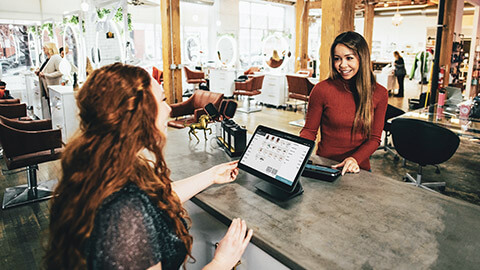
(31, 192)
(418, 181)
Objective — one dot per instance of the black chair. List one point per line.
(390, 113)
(417, 103)
(424, 143)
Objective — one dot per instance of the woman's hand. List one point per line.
(232, 246)
(349, 164)
(40, 74)
(223, 173)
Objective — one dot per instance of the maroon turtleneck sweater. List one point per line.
(332, 109)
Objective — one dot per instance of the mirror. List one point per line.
(192, 50)
(275, 51)
(108, 44)
(71, 46)
(33, 49)
(226, 51)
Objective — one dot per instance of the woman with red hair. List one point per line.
(116, 207)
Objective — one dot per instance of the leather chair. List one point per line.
(251, 71)
(194, 77)
(193, 108)
(26, 144)
(389, 114)
(299, 88)
(424, 143)
(157, 75)
(15, 110)
(10, 101)
(417, 103)
(249, 88)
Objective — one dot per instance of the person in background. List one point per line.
(116, 206)
(400, 73)
(49, 72)
(4, 93)
(349, 107)
(62, 53)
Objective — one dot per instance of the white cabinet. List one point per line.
(64, 110)
(273, 90)
(222, 81)
(36, 99)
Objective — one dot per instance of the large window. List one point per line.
(257, 22)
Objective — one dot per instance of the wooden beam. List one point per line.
(337, 17)
(447, 38)
(368, 23)
(301, 34)
(316, 4)
(171, 51)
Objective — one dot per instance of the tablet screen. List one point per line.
(276, 155)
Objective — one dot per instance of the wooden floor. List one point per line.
(23, 229)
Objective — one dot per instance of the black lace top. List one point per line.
(131, 232)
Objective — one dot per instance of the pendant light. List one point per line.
(397, 18)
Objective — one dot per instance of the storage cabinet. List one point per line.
(64, 110)
(222, 81)
(274, 90)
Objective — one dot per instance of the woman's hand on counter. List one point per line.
(349, 164)
(231, 247)
(223, 173)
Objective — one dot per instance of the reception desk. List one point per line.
(359, 221)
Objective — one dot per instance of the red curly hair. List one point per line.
(117, 121)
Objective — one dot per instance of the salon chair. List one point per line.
(14, 110)
(299, 88)
(195, 78)
(157, 75)
(424, 143)
(417, 103)
(10, 101)
(27, 144)
(190, 110)
(249, 88)
(390, 113)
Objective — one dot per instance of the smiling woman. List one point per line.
(349, 107)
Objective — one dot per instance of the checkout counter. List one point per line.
(359, 221)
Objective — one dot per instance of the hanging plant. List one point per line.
(102, 12)
(49, 27)
(34, 30)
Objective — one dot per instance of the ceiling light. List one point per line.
(397, 18)
(84, 6)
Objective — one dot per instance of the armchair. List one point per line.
(250, 87)
(299, 88)
(193, 108)
(10, 101)
(424, 143)
(157, 75)
(389, 114)
(26, 144)
(14, 110)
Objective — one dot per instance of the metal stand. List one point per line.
(418, 181)
(31, 192)
(249, 108)
(389, 149)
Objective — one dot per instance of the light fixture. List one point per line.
(397, 18)
(84, 6)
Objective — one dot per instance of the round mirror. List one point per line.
(33, 49)
(275, 51)
(226, 51)
(109, 44)
(192, 50)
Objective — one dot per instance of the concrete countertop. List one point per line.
(359, 221)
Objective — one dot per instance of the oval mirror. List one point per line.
(226, 51)
(275, 51)
(71, 46)
(33, 49)
(192, 50)
(109, 44)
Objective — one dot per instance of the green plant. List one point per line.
(102, 12)
(49, 27)
(118, 16)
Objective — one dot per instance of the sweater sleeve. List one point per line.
(370, 145)
(56, 59)
(314, 114)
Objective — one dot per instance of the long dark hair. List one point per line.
(363, 84)
(117, 121)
